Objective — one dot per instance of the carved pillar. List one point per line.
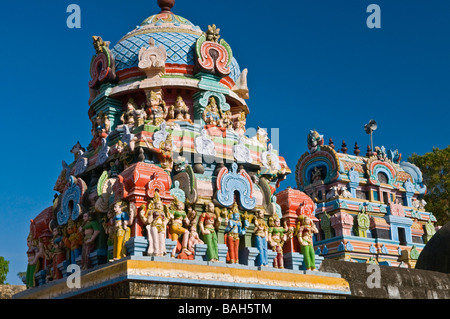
(342, 224)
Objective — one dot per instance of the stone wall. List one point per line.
(7, 291)
(395, 283)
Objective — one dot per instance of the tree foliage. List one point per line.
(435, 167)
(4, 269)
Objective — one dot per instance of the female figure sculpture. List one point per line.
(178, 218)
(90, 230)
(58, 252)
(73, 240)
(278, 235)
(209, 222)
(179, 111)
(261, 235)
(156, 110)
(156, 218)
(121, 229)
(304, 232)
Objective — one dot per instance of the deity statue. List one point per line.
(210, 221)
(277, 236)
(90, 230)
(316, 175)
(191, 215)
(165, 153)
(211, 115)
(233, 230)
(227, 120)
(108, 226)
(101, 127)
(58, 252)
(239, 126)
(126, 156)
(156, 108)
(304, 232)
(179, 111)
(194, 238)
(178, 219)
(155, 217)
(121, 229)
(73, 240)
(315, 141)
(34, 253)
(261, 235)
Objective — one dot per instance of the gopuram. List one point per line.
(171, 198)
(370, 208)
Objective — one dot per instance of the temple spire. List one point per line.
(166, 5)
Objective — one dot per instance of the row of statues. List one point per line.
(184, 226)
(155, 111)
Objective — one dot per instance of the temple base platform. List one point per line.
(167, 278)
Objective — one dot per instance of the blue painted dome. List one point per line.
(177, 34)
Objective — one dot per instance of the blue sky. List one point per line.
(312, 65)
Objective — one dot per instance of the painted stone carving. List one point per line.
(209, 222)
(304, 231)
(314, 141)
(178, 219)
(101, 127)
(103, 67)
(152, 60)
(156, 107)
(241, 87)
(230, 182)
(234, 229)
(90, 230)
(122, 231)
(211, 115)
(278, 235)
(261, 234)
(204, 145)
(241, 152)
(239, 126)
(58, 252)
(103, 153)
(270, 159)
(179, 111)
(155, 217)
(71, 201)
(213, 56)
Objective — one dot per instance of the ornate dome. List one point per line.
(177, 34)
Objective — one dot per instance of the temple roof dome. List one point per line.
(177, 34)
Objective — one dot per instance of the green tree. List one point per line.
(435, 167)
(4, 269)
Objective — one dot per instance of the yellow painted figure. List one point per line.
(122, 231)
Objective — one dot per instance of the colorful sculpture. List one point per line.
(121, 229)
(209, 223)
(132, 162)
(261, 235)
(277, 236)
(155, 218)
(91, 230)
(176, 229)
(233, 231)
(304, 232)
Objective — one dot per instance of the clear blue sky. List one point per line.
(312, 65)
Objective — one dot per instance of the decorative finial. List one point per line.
(369, 152)
(331, 143)
(356, 149)
(166, 5)
(344, 147)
